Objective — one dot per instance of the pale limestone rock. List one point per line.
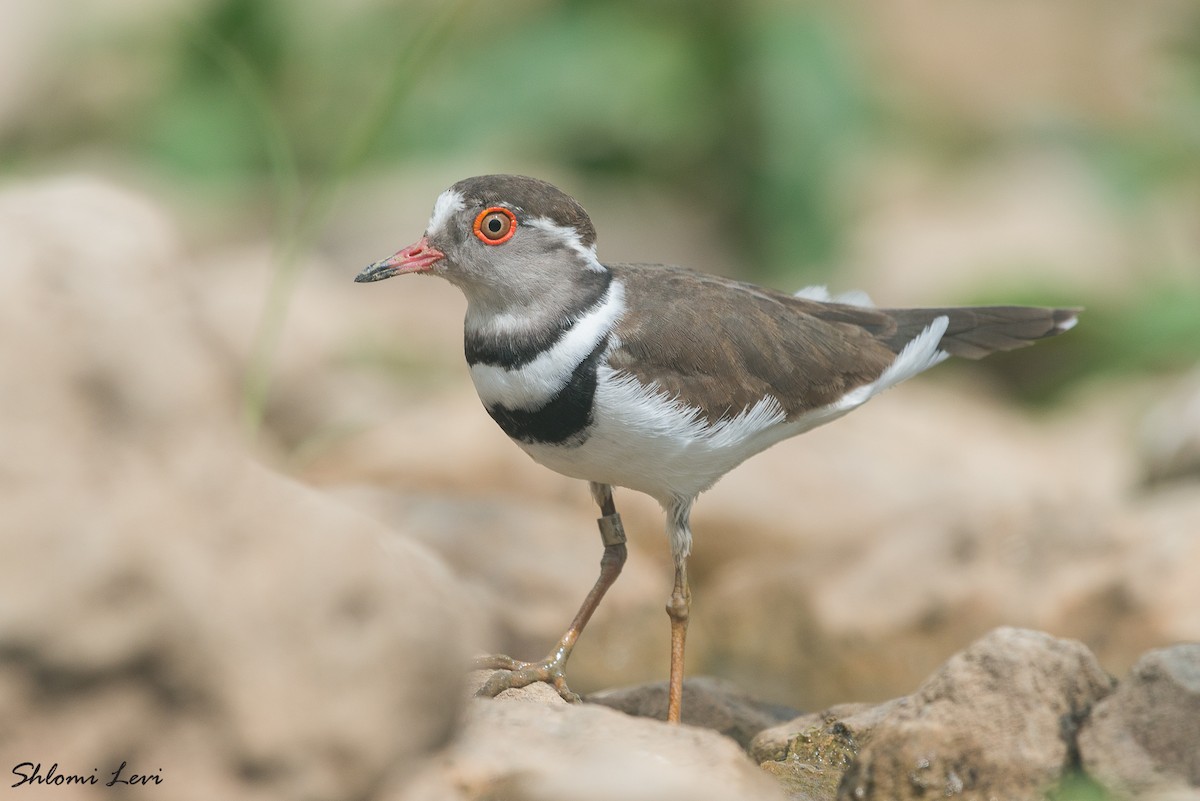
(1144, 739)
(997, 720)
(533, 747)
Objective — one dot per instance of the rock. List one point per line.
(848, 725)
(98, 333)
(809, 755)
(166, 601)
(707, 702)
(1146, 595)
(1170, 435)
(995, 721)
(534, 747)
(1145, 737)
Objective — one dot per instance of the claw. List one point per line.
(512, 674)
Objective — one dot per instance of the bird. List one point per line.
(658, 378)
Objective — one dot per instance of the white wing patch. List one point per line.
(918, 356)
(855, 297)
(531, 385)
(658, 416)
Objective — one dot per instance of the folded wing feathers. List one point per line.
(807, 350)
(974, 332)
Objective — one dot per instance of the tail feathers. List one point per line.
(974, 332)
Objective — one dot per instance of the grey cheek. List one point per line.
(454, 237)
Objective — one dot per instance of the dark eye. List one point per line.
(495, 226)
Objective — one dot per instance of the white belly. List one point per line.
(645, 441)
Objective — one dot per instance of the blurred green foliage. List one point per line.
(1155, 330)
(761, 112)
(1078, 786)
(754, 113)
(754, 110)
(761, 115)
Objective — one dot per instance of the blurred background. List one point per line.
(932, 150)
(190, 186)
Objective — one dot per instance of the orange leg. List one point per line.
(512, 673)
(677, 609)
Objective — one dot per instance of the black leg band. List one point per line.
(611, 530)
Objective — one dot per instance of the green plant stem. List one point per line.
(300, 239)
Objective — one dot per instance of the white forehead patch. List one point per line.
(447, 204)
(570, 238)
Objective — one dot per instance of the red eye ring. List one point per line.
(495, 225)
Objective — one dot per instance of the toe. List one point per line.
(496, 662)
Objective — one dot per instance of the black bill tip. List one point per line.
(376, 272)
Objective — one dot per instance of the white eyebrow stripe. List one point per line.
(571, 238)
(447, 204)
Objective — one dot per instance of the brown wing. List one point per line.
(976, 331)
(721, 345)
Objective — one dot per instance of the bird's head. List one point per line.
(504, 240)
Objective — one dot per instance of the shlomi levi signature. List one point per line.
(31, 773)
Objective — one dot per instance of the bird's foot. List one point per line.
(512, 674)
